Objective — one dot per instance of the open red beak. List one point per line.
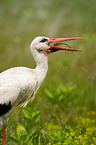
(54, 47)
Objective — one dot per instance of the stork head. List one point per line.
(41, 46)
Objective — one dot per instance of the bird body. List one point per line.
(19, 84)
(19, 81)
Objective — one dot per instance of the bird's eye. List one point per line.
(43, 40)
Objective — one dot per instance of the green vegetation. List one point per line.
(64, 109)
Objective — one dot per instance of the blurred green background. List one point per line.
(22, 21)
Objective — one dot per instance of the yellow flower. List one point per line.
(59, 143)
(64, 143)
(92, 113)
(80, 137)
(94, 138)
(67, 134)
(72, 133)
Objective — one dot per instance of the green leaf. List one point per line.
(27, 114)
(36, 113)
(37, 119)
(36, 116)
(20, 130)
(14, 139)
(49, 93)
(29, 136)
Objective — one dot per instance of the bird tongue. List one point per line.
(54, 48)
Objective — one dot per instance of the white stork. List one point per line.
(19, 84)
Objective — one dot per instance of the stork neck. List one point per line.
(41, 68)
